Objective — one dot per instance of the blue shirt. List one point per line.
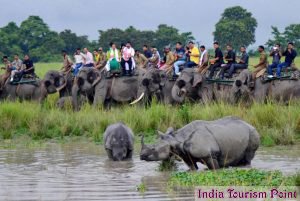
(181, 52)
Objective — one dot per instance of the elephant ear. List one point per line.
(244, 78)
(163, 78)
(197, 79)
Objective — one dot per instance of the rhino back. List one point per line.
(233, 138)
(118, 133)
(228, 137)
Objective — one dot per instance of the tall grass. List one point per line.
(277, 124)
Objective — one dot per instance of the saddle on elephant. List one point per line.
(25, 79)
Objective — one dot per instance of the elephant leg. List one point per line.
(129, 154)
(109, 153)
(212, 163)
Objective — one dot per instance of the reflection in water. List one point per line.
(82, 171)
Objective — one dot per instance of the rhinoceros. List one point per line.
(225, 142)
(118, 141)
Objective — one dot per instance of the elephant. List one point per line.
(98, 90)
(260, 90)
(225, 142)
(53, 82)
(194, 86)
(118, 141)
(155, 83)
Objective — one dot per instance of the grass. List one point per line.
(232, 177)
(141, 188)
(277, 124)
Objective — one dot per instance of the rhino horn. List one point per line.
(160, 134)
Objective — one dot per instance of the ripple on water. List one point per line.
(82, 172)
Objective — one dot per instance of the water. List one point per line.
(81, 171)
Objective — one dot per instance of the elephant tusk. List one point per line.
(137, 100)
(60, 88)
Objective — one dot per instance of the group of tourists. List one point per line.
(16, 68)
(126, 59)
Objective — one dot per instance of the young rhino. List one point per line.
(229, 141)
(119, 141)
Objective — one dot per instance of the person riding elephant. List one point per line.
(280, 90)
(53, 82)
(154, 83)
(93, 84)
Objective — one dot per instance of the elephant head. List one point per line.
(85, 83)
(241, 86)
(160, 151)
(187, 85)
(54, 81)
(150, 84)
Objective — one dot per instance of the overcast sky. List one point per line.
(86, 17)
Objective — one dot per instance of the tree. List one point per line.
(236, 27)
(291, 34)
(38, 40)
(10, 40)
(164, 35)
(72, 41)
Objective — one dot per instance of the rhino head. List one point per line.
(160, 151)
(119, 148)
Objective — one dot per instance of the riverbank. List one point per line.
(233, 177)
(277, 124)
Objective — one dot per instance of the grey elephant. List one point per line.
(192, 85)
(154, 83)
(119, 141)
(229, 141)
(53, 82)
(93, 84)
(283, 90)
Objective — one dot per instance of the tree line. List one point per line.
(236, 26)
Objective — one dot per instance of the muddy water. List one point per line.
(82, 172)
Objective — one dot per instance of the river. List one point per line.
(81, 171)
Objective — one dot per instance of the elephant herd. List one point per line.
(91, 85)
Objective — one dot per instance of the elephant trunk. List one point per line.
(44, 92)
(75, 90)
(178, 94)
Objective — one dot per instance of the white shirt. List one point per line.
(89, 58)
(79, 58)
(127, 53)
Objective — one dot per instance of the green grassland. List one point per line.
(276, 123)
